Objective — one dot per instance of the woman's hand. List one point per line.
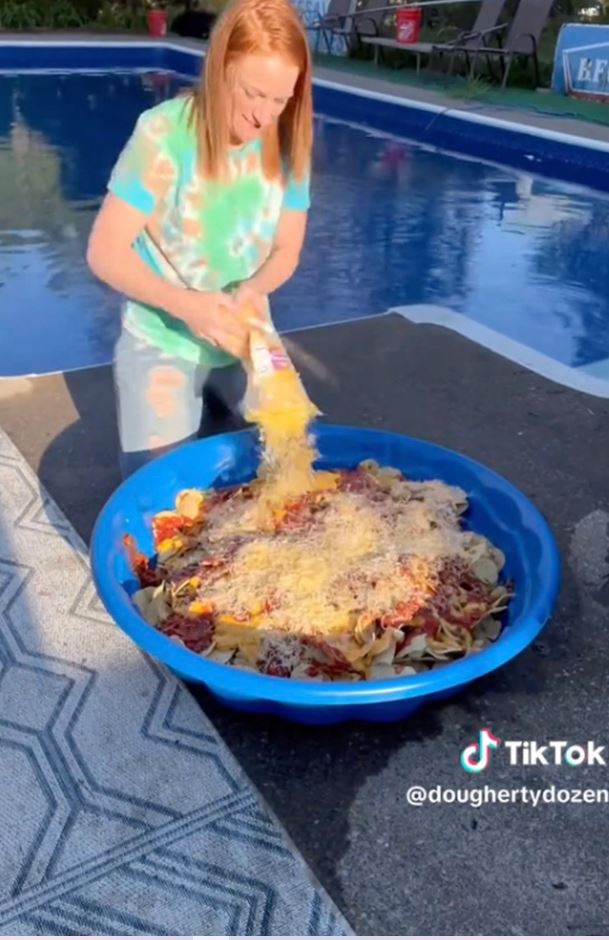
(212, 316)
(247, 296)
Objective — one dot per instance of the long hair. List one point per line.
(258, 27)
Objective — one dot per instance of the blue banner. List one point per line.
(581, 62)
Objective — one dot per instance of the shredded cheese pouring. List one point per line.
(279, 405)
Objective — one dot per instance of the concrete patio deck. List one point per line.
(340, 792)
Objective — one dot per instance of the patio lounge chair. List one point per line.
(522, 39)
(335, 21)
(486, 27)
(362, 23)
(486, 22)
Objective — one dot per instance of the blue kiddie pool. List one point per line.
(497, 510)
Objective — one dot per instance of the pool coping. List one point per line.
(592, 379)
(562, 129)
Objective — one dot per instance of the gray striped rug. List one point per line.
(121, 810)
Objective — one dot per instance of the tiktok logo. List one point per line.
(477, 757)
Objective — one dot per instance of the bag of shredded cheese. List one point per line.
(277, 402)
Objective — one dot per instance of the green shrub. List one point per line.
(114, 14)
(40, 14)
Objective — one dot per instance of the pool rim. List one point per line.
(181, 46)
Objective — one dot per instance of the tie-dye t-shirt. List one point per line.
(200, 234)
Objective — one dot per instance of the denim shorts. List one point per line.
(163, 401)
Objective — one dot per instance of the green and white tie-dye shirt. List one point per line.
(200, 234)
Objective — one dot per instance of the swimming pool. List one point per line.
(394, 222)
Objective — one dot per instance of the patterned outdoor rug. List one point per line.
(121, 810)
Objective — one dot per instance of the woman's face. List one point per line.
(261, 87)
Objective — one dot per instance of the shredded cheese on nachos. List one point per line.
(371, 575)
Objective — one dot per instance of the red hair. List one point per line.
(267, 27)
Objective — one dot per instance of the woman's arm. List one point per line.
(112, 258)
(283, 260)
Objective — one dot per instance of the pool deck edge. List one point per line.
(592, 379)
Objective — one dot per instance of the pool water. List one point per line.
(392, 223)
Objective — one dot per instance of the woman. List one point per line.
(205, 217)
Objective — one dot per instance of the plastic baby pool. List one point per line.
(497, 509)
